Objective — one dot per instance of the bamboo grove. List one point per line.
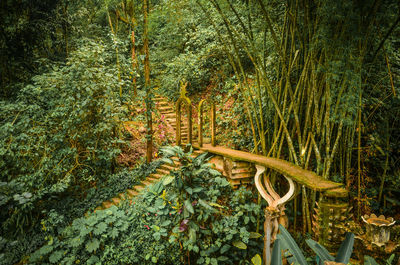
(304, 96)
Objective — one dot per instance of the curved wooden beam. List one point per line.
(296, 173)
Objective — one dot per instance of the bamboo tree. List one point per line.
(148, 100)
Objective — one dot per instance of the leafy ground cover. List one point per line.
(193, 215)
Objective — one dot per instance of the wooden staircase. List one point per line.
(165, 108)
(129, 194)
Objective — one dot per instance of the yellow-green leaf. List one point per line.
(240, 244)
(255, 235)
(216, 205)
(256, 260)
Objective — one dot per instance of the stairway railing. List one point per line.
(185, 100)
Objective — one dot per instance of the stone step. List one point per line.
(116, 201)
(166, 109)
(243, 170)
(242, 175)
(238, 182)
(157, 176)
(163, 102)
(162, 171)
(168, 167)
(146, 182)
(152, 179)
(131, 193)
(107, 204)
(138, 188)
(123, 196)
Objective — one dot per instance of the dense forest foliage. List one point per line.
(312, 82)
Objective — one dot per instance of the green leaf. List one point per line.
(390, 259)
(192, 235)
(255, 235)
(225, 248)
(369, 261)
(345, 250)
(168, 151)
(93, 245)
(76, 242)
(276, 257)
(56, 256)
(100, 228)
(167, 180)
(288, 242)
(321, 252)
(93, 260)
(84, 231)
(45, 250)
(197, 189)
(256, 260)
(154, 259)
(189, 207)
(166, 160)
(189, 190)
(114, 233)
(240, 244)
(165, 223)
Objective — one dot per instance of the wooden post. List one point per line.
(190, 126)
(213, 124)
(201, 122)
(178, 122)
(149, 134)
(183, 98)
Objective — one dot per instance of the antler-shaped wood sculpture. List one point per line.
(274, 212)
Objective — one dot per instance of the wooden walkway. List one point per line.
(298, 174)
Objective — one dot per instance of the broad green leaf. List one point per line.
(100, 228)
(93, 260)
(255, 235)
(321, 252)
(390, 259)
(240, 244)
(225, 248)
(165, 223)
(93, 245)
(256, 260)
(189, 207)
(45, 250)
(287, 242)
(167, 180)
(345, 250)
(276, 257)
(369, 261)
(222, 258)
(56, 256)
